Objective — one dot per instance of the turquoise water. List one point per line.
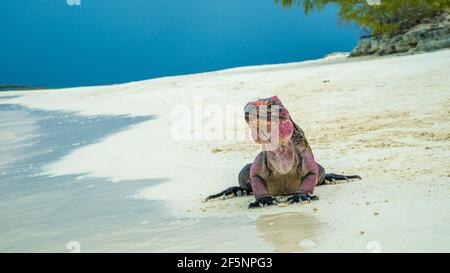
(52, 44)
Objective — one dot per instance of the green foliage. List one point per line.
(390, 17)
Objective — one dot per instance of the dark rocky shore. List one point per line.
(429, 35)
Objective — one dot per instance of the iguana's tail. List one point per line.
(243, 189)
(330, 177)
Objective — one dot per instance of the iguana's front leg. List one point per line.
(309, 172)
(310, 175)
(259, 186)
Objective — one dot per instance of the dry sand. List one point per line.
(386, 119)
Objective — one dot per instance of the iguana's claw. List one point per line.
(300, 197)
(263, 201)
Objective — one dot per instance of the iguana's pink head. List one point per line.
(269, 120)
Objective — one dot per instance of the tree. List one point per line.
(389, 17)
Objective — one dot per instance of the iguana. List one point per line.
(286, 164)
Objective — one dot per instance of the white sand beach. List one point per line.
(386, 119)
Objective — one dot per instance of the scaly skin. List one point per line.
(286, 164)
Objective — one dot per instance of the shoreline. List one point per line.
(330, 58)
(385, 119)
